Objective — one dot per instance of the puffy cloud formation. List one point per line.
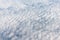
(29, 19)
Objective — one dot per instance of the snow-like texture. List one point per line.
(29, 19)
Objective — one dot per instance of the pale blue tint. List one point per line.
(29, 19)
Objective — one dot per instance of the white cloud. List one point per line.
(7, 3)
